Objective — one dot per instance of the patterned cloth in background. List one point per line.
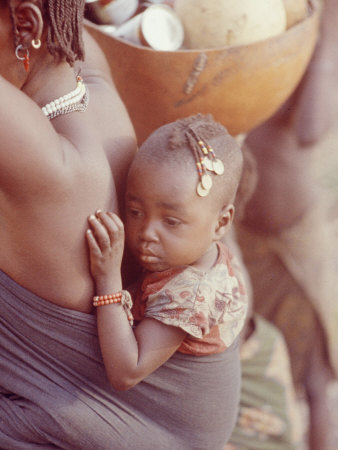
(268, 417)
(210, 306)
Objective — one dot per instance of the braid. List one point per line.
(64, 39)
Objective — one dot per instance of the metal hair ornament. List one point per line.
(205, 161)
(211, 162)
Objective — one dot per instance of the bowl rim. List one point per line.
(313, 8)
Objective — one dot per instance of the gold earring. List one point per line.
(36, 43)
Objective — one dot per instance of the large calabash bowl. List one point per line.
(240, 86)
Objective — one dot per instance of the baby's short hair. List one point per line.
(179, 143)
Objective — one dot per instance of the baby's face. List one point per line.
(167, 224)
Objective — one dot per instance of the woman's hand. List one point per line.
(105, 239)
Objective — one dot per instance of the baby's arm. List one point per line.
(128, 357)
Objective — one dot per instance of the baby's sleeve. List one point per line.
(195, 303)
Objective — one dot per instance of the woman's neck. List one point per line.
(48, 79)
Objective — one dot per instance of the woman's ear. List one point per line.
(28, 23)
(225, 219)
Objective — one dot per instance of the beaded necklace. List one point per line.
(76, 100)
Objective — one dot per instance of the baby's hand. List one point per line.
(106, 243)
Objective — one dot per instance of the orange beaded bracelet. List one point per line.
(100, 300)
(122, 297)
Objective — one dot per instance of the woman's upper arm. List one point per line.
(28, 142)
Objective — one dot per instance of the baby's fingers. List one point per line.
(113, 224)
(94, 248)
(100, 232)
(117, 220)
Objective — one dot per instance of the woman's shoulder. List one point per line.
(95, 66)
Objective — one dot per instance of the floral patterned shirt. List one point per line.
(210, 306)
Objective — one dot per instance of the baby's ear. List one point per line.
(224, 222)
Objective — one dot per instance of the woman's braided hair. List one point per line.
(64, 19)
(65, 29)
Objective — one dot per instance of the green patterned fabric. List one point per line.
(267, 404)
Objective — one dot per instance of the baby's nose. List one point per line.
(149, 232)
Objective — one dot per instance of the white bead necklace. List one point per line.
(76, 100)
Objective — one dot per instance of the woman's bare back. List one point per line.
(54, 181)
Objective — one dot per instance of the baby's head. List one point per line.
(183, 183)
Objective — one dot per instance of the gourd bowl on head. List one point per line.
(240, 86)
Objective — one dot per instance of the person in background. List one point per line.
(286, 236)
(269, 414)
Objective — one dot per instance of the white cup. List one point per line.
(120, 10)
(158, 27)
(130, 30)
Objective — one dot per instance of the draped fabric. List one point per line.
(54, 392)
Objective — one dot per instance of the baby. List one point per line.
(179, 206)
